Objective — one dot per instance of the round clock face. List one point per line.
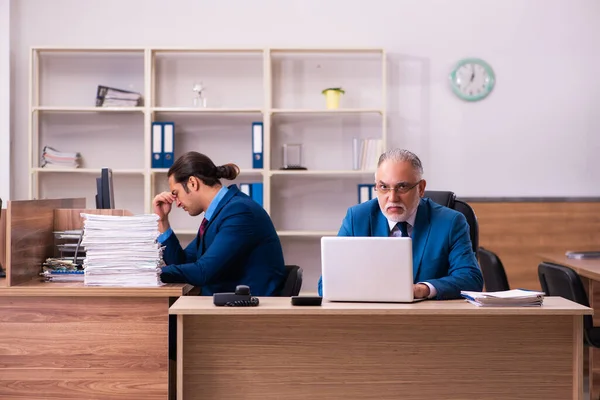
(472, 79)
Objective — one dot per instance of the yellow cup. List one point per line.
(332, 98)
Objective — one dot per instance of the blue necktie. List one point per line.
(403, 226)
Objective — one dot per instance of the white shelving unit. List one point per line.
(279, 87)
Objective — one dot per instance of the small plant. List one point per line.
(335, 89)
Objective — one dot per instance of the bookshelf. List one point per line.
(279, 87)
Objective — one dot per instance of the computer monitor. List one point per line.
(105, 197)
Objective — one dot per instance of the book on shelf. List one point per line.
(112, 97)
(53, 158)
(505, 298)
(365, 153)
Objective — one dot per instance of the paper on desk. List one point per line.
(507, 298)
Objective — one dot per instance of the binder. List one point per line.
(168, 129)
(257, 193)
(257, 145)
(254, 190)
(245, 188)
(157, 145)
(366, 192)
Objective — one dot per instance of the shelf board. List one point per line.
(339, 173)
(116, 171)
(302, 233)
(199, 110)
(247, 171)
(325, 111)
(371, 50)
(88, 109)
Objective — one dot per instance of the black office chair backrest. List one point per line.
(441, 197)
(494, 275)
(448, 199)
(558, 280)
(293, 282)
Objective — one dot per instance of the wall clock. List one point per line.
(472, 79)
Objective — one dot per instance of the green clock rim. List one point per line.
(489, 87)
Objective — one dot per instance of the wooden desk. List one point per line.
(427, 350)
(589, 270)
(67, 341)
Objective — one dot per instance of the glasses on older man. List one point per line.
(402, 187)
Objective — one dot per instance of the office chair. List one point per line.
(558, 280)
(448, 199)
(494, 275)
(293, 281)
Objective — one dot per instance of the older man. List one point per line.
(443, 259)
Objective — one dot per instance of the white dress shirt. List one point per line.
(410, 223)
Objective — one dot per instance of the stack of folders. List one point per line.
(111, 97)
(583, 255)
(506, 298)
(121, 250)
(52, 158)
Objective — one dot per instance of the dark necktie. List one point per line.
(202, 227)
(403, 226)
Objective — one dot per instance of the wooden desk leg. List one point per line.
(577, 357)
(180, 357)
(594, 354)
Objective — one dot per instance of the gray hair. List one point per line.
(401, 155)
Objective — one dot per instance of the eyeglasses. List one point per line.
(401, 188)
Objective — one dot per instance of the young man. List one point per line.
(236, 244)
(443, 259)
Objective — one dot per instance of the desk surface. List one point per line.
(198, 305)
(39, 288)
(588, 268)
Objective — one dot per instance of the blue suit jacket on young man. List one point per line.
(442, 251)
(239, 247)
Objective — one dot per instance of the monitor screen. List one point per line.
(105, 197)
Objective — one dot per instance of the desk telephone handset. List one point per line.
(241, 298)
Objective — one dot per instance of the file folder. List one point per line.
(168, 144)
(257, 193)
(257, 145)
(157, 146)
(366, 192)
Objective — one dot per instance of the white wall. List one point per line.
(5, 185)
(538, 134)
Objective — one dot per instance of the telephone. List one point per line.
(241, 298)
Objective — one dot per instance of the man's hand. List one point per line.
(162, 205)
(420, 291)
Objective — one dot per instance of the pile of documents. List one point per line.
(506, 298)
(52, 158)
(111, 97)
(583, 255)
(121, 250)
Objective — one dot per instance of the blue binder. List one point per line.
(366, 192)
(157, 145)
(168, 129)
(257, 145)
(256, 192)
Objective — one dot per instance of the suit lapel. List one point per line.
(420, 234)
(232, 190)
(379, 223)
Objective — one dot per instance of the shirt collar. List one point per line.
(410, 220)
(208, 214)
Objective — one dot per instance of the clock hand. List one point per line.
(472, 73)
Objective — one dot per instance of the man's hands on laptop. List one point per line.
(420, 291)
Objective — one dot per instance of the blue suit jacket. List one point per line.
(442, 250)
(240, 247)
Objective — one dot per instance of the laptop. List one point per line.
(367, 269)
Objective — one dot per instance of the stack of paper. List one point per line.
(52, 158)
(507, 298)
(121, 250)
